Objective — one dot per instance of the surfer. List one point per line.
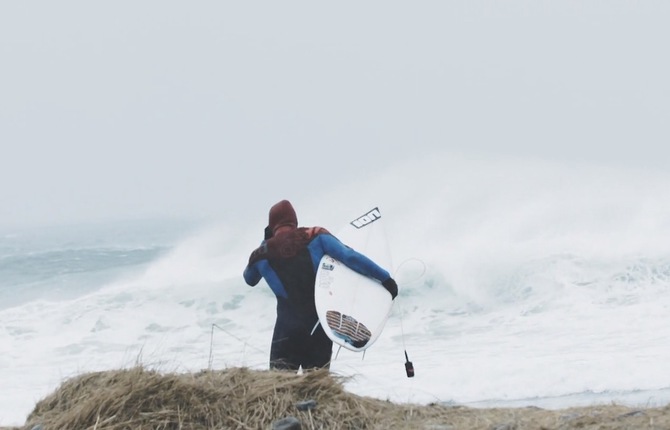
(288, 259)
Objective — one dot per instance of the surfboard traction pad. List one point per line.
(348, 328)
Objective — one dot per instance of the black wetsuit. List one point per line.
(289, 262)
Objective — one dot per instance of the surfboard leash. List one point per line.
(409, 366)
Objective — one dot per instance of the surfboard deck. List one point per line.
(353, 308)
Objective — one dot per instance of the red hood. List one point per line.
(282, 214)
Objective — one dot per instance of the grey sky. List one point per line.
(162, 108)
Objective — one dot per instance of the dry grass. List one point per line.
(240, 398)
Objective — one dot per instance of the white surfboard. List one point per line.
(353, 308)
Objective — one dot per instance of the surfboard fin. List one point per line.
(315, 327)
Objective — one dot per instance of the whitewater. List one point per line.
(522, 282)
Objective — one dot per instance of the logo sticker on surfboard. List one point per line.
(366, 219)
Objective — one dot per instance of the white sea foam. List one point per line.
(522, 282)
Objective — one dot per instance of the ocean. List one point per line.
(522, 282)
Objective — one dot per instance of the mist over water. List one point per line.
(521, 281)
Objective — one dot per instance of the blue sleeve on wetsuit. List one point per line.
(261, 269)
(351, 258)
(251, 275)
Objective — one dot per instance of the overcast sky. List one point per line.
(124, 109)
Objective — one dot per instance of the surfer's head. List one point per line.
(282, 214)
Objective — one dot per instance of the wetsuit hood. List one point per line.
(282, 214)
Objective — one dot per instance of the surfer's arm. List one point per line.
(352, 259)
(251, 275)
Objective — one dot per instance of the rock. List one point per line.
(504, 427)
(570, 417)
(306, 405)
(288, 423)
(632, 414)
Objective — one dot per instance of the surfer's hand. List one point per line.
(268, 233)
(391, 287)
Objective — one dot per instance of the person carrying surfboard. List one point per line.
(288, 260)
